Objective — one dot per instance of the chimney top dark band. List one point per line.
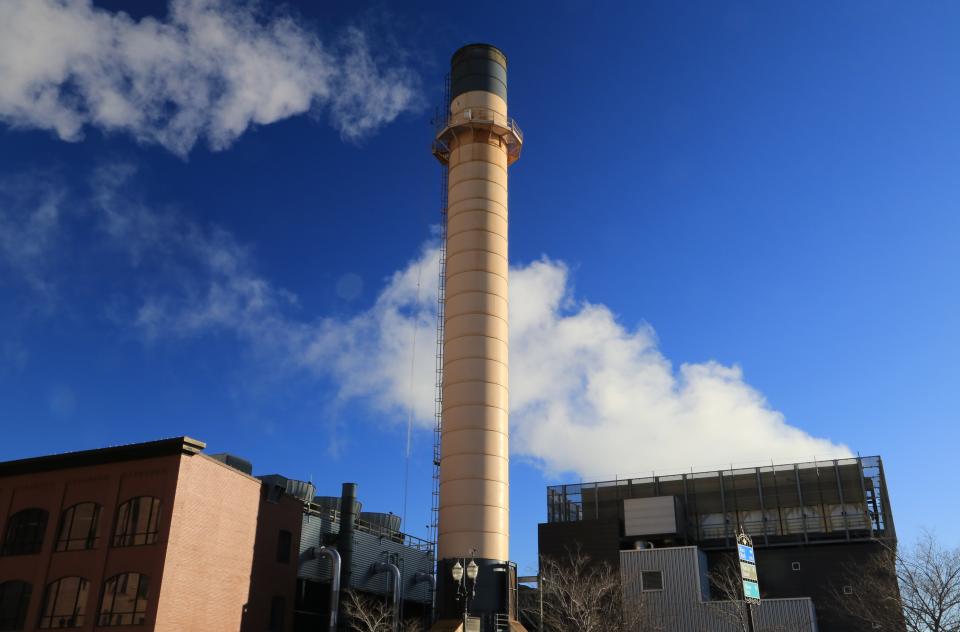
(478, 67)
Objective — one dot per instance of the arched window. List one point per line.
(25, 532)
(78, 527)
(14, 599)
(64, 603)
(124, 600)
(137, 521)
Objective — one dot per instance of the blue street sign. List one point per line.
(748, 568)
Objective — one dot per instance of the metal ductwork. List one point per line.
(384, 567)
(335, 567)
(432, 580)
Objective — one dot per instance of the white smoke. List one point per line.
(209, 70)
(588, 394)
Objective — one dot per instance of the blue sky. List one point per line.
(734, 231)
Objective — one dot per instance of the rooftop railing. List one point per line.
(843, 495)
(484, 116)
(379, 530)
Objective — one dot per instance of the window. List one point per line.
(14, 599)
(78, 527)
(848, 590)
(651, 580)
(137, 521)
(25, 532)
(64, 603)
(124, 600)
(794, 566)
(278, 605)
(284, 540)
(275, 493)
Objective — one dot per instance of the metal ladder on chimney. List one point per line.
(439, 121)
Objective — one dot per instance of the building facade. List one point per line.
(159, 536)
(810, 523)
(673, 587)
(154, 535)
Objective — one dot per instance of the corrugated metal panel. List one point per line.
(786, 614)
(650, 516)
(368, 550)
(680, 606)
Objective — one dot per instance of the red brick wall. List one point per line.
(210, 548)
(272, 578)
(107, 485)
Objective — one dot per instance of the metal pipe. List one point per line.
(432, 579)
(385, 567)
(335, 565)
(348, 518)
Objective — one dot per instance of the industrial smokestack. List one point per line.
(478, 143)
(348, 519)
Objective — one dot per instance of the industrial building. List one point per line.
(809, 523)
(673, 586)
(163, 537)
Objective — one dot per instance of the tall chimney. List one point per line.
(478, 143)
(348, 519)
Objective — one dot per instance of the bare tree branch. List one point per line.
(366, 613)
(413, 625)
(582, 596)
(727, 584)
(917, 589)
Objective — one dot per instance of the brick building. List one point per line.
(159, 536)
(126, 536)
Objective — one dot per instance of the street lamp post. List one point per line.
(471, 571)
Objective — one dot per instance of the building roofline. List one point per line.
(742, 470)
(102, 456)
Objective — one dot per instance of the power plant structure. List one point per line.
(476, 142)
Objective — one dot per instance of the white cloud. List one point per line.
(209, 70)
(30, 216)
(588, 394)
(592, 396)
